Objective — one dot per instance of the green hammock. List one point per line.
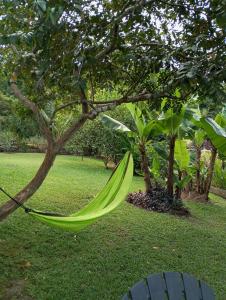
(109, 198)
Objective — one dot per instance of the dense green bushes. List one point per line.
(94, 139)
(219, 177)
(8, 141)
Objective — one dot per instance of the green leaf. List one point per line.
(199, 137)
(170, 121)
(216, 134)
(177, 93)
(182, 155)
(221, 119)
(182, 183)
(113, 124)
(149, 128)
(41, 4)
(137, 117)
(155, 168)
(162, 151)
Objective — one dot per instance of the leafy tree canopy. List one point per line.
(59, 47)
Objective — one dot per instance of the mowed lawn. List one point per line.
(104, 260)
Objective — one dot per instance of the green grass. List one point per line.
(104, 260)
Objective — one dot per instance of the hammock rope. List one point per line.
(28, 209)
(114, 192)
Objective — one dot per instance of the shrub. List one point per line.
(219, 176)
(8, 141)
(94, 139)
(36, 143)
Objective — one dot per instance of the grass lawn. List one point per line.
(104, 260)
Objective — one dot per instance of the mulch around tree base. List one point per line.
(194, 196)
(158, 201)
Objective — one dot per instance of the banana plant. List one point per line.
(217, 137)
(199, 138)
(169, 123)
(144, 128)
(182, 161)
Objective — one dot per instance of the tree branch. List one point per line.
(64, 106)
(116, 21)
(8, 207)
(127, 99)
(126, 11)
(112, 45)
(34, 108)
(70, 131)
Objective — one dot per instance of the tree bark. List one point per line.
(51, 152)
(210, 172)
(170, 165)
(32, 186)
(198, 160)
(145, 169)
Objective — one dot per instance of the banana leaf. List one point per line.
(215, 133)
(113, 124)
(170, 121)
(199, 137)
(181, 155)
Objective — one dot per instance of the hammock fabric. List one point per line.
(108, 199)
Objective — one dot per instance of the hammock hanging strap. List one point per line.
(28, 209)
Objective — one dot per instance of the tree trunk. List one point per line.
(32, 186)
(210, 172)
(52, 149)
(198, 161)
(145, 169)
(170, 165)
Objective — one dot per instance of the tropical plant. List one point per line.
(217, 141)
(198, 140)
(219, 175)
(182, 160)
(144, 128)
(169, 122)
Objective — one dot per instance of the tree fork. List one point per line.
(51, 152)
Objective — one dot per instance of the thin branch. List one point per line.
(84, 101)
(92, 86)
(127, 99)
(64, 106)
(71, 130)
(108, 105)
(116, 21)
(139, 3)
(112, 45)
(34, 108)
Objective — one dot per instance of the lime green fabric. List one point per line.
(108, 199)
